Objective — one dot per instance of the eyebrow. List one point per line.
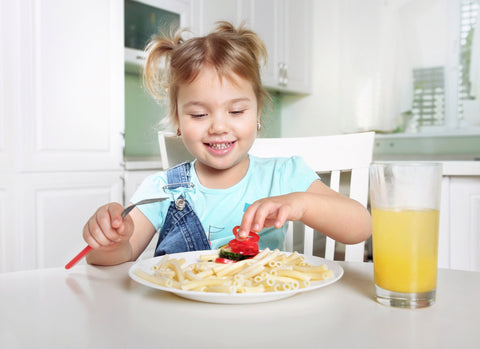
(201, 104)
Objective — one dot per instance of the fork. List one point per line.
(125, 212)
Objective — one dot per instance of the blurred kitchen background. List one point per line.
(77, 128)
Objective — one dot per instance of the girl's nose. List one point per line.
(218, 124)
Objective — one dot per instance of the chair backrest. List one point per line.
(330, 155)
(172, 150)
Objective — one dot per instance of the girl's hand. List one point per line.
(106, 229)
(272, 211)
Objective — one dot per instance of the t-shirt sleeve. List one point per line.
(298, 176)
(152, 187)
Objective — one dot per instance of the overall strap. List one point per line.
(178, 176)
(182, 230)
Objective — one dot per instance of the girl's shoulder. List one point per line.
(151, 186)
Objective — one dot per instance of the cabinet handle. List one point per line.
(281, 74)
(285, 78)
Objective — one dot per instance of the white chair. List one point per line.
(327, 155)
(172, 150)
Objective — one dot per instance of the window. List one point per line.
(468, 17)
(444, 94)
(428, 106)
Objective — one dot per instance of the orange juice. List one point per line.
(405, 249)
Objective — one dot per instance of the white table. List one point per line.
(100, 307)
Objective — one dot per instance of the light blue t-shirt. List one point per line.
(220, 210)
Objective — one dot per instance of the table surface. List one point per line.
(101, 307)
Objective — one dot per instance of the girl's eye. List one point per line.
(198, 115)
(237, 112)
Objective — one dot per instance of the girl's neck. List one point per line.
(221, 179)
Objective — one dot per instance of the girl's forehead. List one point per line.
(210, 82)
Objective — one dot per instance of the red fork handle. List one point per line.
(78, 257)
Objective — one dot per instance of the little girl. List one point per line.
(215, 102)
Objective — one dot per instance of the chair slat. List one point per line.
(355, 253)
(329, 248)
(335, 180)
(308, 241)
(358, 188)
(330, 243)
(289, 237)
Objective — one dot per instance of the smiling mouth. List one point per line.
(220, 146)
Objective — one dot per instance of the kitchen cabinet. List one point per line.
(285, 26)
(61, 142)
(208, 12)
(53, 208)
(143, 18)
(459, 245)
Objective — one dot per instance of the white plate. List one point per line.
(235, 298)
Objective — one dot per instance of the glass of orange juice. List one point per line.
(405, 206)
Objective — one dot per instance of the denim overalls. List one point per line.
(182, 231)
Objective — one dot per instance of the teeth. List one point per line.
(220, 146)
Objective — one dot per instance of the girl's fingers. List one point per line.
(255, 217)
(115, 212)
(265, 213)
(102, 228)
(281, 217)
(245, 226)
(94, 235)
(126, 228)
(88, 237)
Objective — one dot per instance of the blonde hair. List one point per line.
(171, 62)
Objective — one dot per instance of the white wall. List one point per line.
(316, 114)
(417, 39)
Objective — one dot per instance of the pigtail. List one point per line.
(156, 72)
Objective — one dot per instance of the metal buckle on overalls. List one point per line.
(179, 202)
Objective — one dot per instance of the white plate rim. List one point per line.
(236, 298)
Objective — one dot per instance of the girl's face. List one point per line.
(218, 121)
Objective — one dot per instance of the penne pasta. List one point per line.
(190, 285)
(162, 281)
(269, 271)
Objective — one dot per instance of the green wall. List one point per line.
(142, 115)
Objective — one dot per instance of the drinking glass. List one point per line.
(405, 206)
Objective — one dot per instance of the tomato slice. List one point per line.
(247, 247)
(224, 261)
(251, 236)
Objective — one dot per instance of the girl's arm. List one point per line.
(335, 215)
(115, 240)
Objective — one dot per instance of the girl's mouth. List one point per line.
(220, 148)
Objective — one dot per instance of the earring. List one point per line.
(259, 126)
(178, 132)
